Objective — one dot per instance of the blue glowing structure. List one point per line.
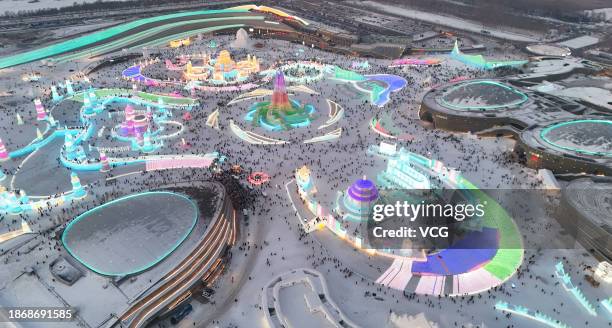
(533, 315)
(14, 204)
(55, 94)
(303, 179)
(357, 202)
(478, 61)
(607, 304)
(380, 96)
(78, 192)
(566, 280)
(401, 172)
(91, 106)
(70, 148)
(149, 144)
(281, 113)
(69, 89)
(26, 205)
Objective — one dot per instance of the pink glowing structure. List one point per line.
(104, 161)
(415, 62)
(280, 98)
(133, 124)
(3, 153)
(40, 110)
(281, 113)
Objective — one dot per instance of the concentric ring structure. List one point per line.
(363, 190)
(130, 234)
(579, 145)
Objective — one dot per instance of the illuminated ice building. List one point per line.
(69, 88)
(90, 104)
(222, 69)
(55, 94)
(12, 203)
(72, 150)
(307, 190)
(4, 155)
(41, 114)
(133, 124)
(226, 68)
(356, 203)
(78, 191)
(281, 113)
(304, 181)
(148, 144)
(402, 174)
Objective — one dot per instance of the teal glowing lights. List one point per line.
(127, 236)
(606, 150)
(101, 36)
(519, 97)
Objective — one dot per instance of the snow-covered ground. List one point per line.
(606, 11)
(273, 242)
(597, 96)
(450, 21)
(580, 42)
(25, 5)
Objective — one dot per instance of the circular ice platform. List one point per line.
(130, 234)
(482, 95)
(574, 145)
(590, 137)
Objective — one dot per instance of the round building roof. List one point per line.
(130, 234)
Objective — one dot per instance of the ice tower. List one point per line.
(3, 153)
(356, 203)
(40, 110)
(56, 96)
(69, 146)
(69, 89)
(127, 126)
(77, 190)
(280, 98)
(281, 113)
(104, 161)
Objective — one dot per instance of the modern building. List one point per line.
(141, 265)
(578, 145)
(545, 49)
(545, 126)
(585, 212)
(478, 105)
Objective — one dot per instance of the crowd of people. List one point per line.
(335, 165)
